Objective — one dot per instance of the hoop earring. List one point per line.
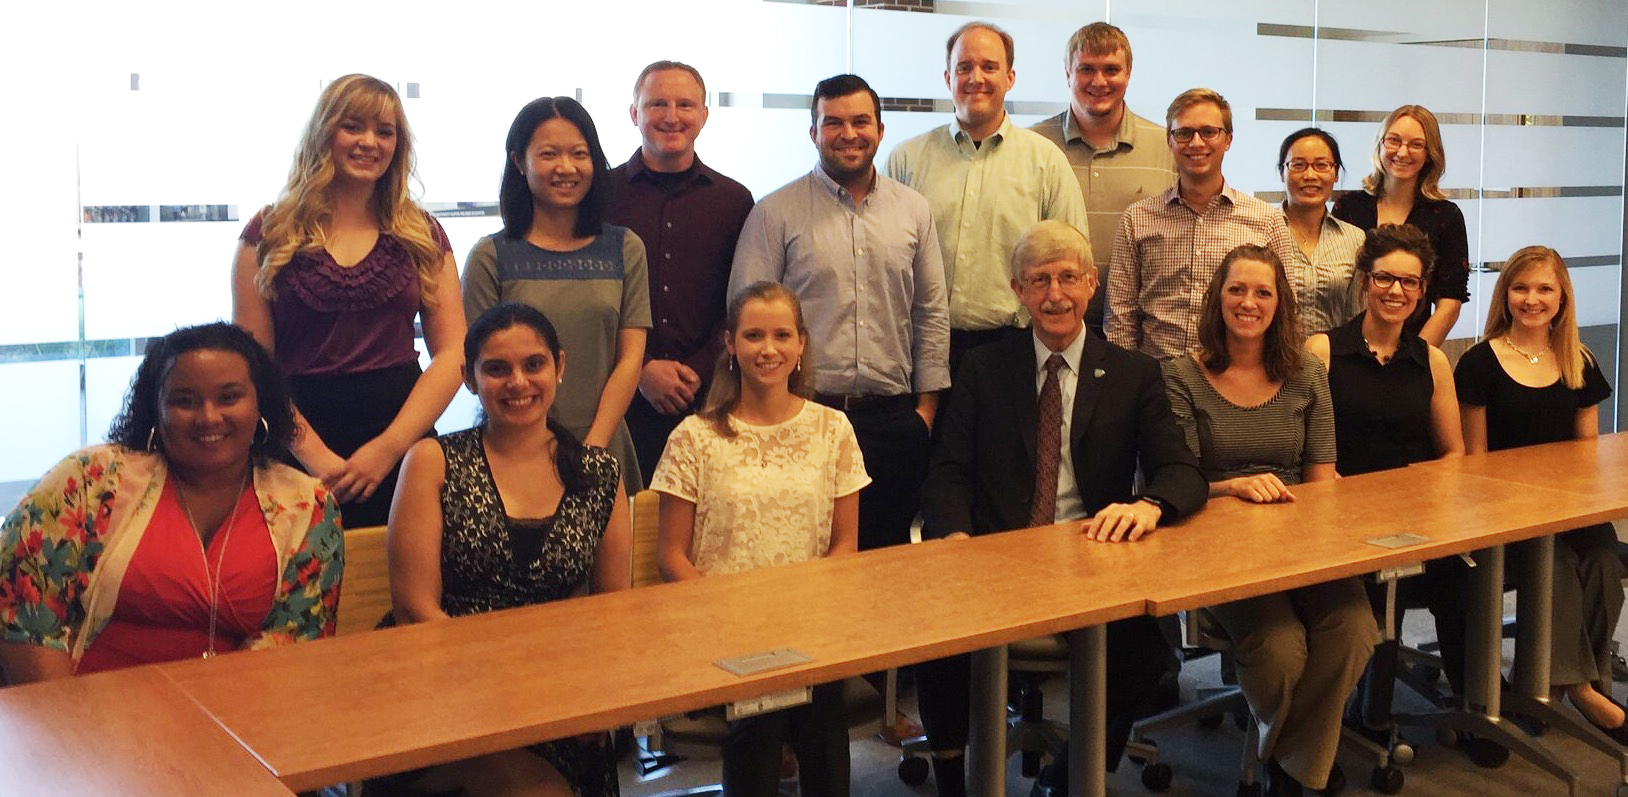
(151, 433)
(265, 427)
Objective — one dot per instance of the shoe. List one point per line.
(1618, 734)
(1280, 783)
(902, 730)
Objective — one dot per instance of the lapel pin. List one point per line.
(1098, 373)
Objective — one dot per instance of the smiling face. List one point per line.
(846, 132)
(1402, 149)
(979, 77)
(1313, 185)
(515, 376)
(766, 344)
(669, 112)
(1198, 159)
(1395, 303)
(362, 149)
(1097, 83)
(1535, 297)
(1249, 299)
(557, 164)
(208, 412)
(1055, 295)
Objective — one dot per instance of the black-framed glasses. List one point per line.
(1298, 166)
(1042, 282)
(1384, 280)
(1208, 132)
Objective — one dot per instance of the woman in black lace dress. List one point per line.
(510, 513)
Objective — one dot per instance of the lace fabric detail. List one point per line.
(766, 496)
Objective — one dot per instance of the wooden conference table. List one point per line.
(385, 701)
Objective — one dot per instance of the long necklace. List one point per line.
(1531, 358)
(220, 561)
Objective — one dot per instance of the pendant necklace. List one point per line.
(1531, 358)
(220, 561)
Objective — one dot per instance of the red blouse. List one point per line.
(163, 608)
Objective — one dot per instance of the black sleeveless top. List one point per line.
(1381, 411)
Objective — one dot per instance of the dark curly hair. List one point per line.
(501, 316)
(142, 407)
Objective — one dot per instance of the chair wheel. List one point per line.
(1249, 790)
(1485, 753)
(1141, 760)
(1622, 790)
(1402, 753)
(1386, 780)
(1336, 780)
(913, 770)
(1209, 722)
(1051, 782)
(1157, 777)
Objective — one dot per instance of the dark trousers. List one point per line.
(649, 430)
(896, 444)
(1138, 657)
(1444, 589)
(817, 731)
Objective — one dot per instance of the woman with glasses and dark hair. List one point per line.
(329, 279)
(1256, 413)
(1531, 380)
(1405, 189)
(557, 254)
(1325, 247)
(1394, 404)
(183, 536)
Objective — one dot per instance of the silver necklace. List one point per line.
(1531, 358)
(220, 561)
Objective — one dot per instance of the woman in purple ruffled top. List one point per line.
(330, 278)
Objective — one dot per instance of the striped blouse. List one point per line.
(1293, 429)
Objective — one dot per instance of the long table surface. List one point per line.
(401, 698)
(130, 732)
(408, 697)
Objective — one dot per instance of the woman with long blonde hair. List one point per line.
(330, 278)
(1531, 380)
(1405, 188)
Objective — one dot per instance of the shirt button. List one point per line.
(668, 255)
(1093, 174)
(664, 289)
(860, 250)
(669, 225)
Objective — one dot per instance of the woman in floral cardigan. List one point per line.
(184, 536)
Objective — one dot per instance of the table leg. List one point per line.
(1483, 666)
(986, 774)
(1530, 697)
(1087, 711)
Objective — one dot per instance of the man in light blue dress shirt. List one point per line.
(860, 251)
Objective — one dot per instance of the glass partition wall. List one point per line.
(140, 143)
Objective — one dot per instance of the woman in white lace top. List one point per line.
(761, 477)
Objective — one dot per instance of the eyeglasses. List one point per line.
(1209, 133)
(1298, 166)
(1384, 280)
(1394, 142)
(1042, 282)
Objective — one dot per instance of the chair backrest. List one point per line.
(646, 523)
(364, 596)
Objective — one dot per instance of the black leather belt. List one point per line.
(866, 403)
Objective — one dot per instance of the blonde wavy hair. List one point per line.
(1429, 185)
(294, 224)
(1568, 346)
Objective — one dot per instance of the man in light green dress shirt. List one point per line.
(1118, 157)
(987, 181)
